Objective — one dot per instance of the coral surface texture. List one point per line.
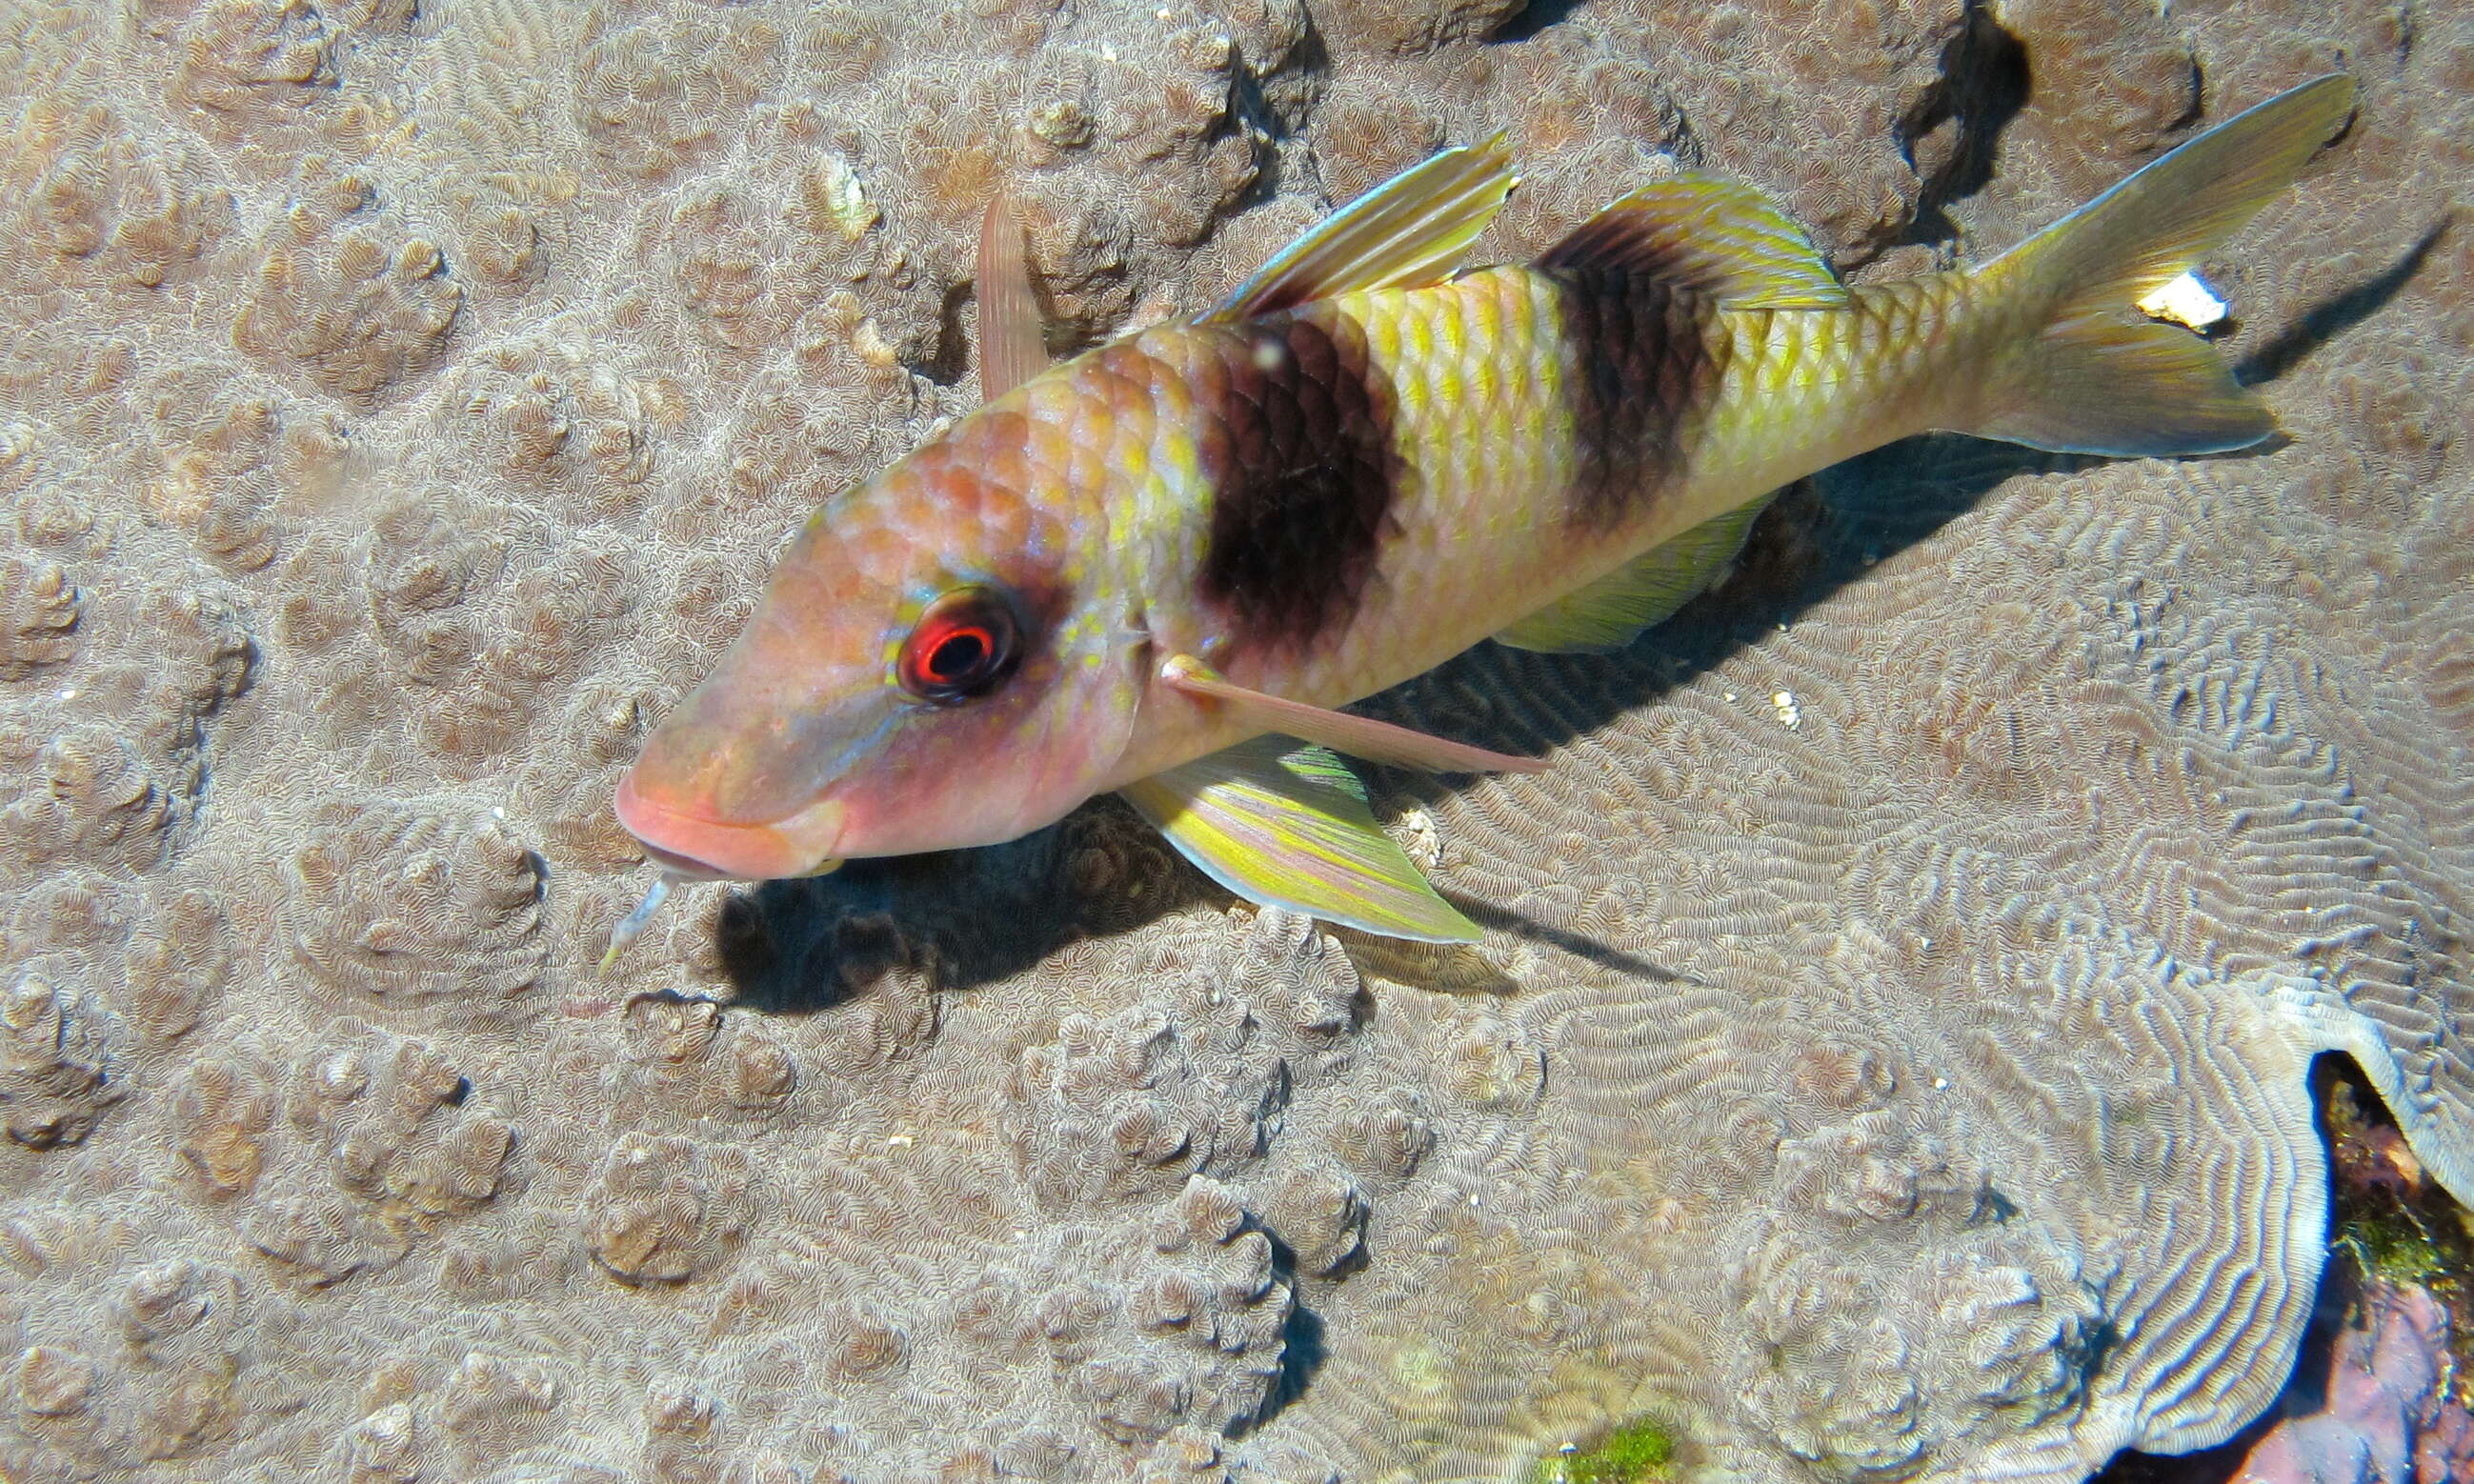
(1888, 1058)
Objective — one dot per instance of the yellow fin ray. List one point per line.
(1413, 230)
(1288, 826)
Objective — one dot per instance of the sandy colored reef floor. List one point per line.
(1924, 1004)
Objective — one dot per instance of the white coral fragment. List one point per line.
(2186, 300)
(844, 200)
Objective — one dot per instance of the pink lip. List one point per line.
(799, 845)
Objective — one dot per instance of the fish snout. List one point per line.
(801, 845)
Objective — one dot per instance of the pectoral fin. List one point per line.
(1615, 610)
(1360, 737)
(1288, 826)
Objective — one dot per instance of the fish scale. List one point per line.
(1162, 567)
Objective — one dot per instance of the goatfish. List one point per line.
(1158, 569)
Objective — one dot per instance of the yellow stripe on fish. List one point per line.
(1124, 571)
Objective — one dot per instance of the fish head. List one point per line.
(939, 661)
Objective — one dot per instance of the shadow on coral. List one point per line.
(1579, 945)
(1985, 81)
(975, 917)
(2333, 316)
(1301, 1343)
(1532, 18)
(1817, 538)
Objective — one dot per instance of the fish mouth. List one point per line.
(711, 849)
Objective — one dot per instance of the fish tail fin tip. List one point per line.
(2102, 377)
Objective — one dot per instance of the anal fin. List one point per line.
(1617, 608)
(1288, 826)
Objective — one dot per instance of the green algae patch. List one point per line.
(1638, 1452)
(2391, 1221)
(2396, 1246)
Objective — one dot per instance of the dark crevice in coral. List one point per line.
(1301, 1355)
(2212, 1465)
(1261, 145)
(1985, 81)
(1533, 19)
(1267, 1112)
(2388, 1224)
(954, 348)
(1301, 1341)
(2333, 316)
(1288, 91)
(1249, 107)
(2389, 1219)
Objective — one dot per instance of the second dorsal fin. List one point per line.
(1714, 236)
(1409, 231)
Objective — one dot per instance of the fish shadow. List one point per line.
(1820, 535)
(2339, 312)
(975, 917)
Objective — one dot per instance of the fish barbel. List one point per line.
(1159, 567)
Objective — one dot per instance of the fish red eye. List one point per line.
(965, 646)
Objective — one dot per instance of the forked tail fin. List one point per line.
(2100, 376)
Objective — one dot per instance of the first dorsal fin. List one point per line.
(1711, 236)
(1409, 231)
(1011, 348)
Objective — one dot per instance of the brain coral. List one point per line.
(1888, 1058)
